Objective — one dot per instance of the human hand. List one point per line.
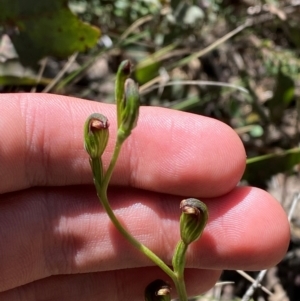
(57, 243)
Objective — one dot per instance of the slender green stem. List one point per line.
(179, 258)
(181, 290)
(102, 194)
(179, 265)
(112, 164)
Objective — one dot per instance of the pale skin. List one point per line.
(56, 243)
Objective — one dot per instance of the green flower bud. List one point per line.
(158, 290)
(130, 112)
(193, 219)
(123, 73)
(96, 135)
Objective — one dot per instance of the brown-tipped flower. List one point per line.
(130, 110)
(96, 135)
(193, 219)
(122, 74)
(158, 290)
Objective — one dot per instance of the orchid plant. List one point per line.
(194, 212)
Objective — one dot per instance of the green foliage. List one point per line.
(263, 167)
(43, 28)
(20, 81)
(284, 93)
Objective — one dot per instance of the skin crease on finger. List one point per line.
(60, 234)
(114, 286)
(44, 146)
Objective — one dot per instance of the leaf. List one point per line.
(43, 28)
(148, 68)
(283, 95)
(261, 168)
(22, 81)
(147, 71)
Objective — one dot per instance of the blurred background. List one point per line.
(236, 61)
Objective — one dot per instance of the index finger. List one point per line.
(169, 151)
